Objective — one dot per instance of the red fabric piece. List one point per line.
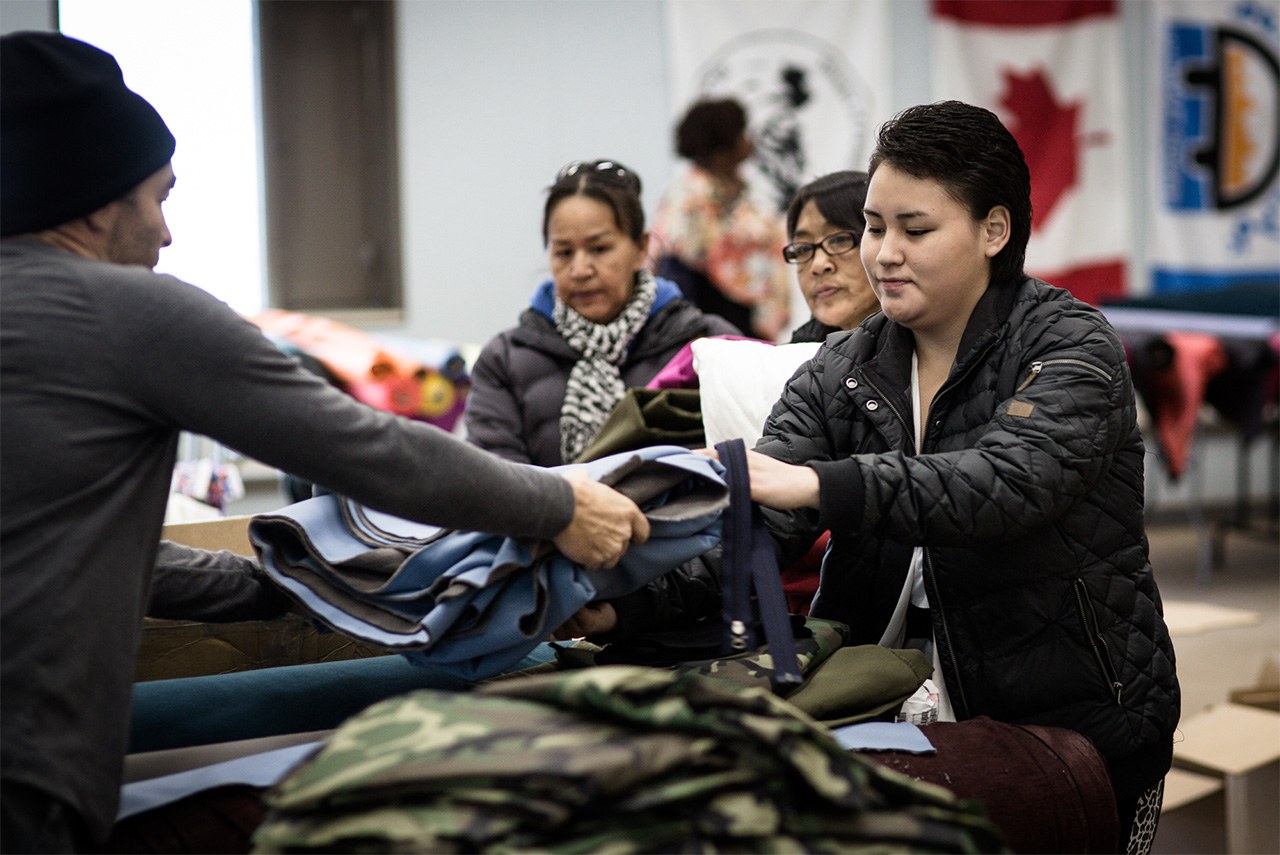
(217, 820)
(1178, 393)
(800, 580)
(1045, 788)
(1040, 13)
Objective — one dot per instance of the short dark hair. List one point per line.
(621, 193)
(974, 157)
(839, 197)
(710, 126)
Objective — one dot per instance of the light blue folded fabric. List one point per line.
(471, 603)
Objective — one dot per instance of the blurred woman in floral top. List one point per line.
(721, 246)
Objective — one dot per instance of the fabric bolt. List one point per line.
(1045, 787)
(473, 603)
(622, 759)
(401, 376)
(185, 711)
(521, 376)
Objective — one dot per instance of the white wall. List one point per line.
(16, 15)
(495, 97)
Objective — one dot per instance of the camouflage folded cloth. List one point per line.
(620, 759)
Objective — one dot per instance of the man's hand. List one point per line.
(591, 619)
(604, 523)
(775, 484)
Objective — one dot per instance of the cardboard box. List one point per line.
(1192, 816)
(171, 649)
(1265, 694)
(231, 533)
(1222, 793)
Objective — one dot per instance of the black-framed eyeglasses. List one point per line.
(833, 244)
(605, 168)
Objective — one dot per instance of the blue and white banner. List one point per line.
(1215, 193)
(812, 75)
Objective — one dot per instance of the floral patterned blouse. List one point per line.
(732, 239)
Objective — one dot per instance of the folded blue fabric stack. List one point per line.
(471, 603)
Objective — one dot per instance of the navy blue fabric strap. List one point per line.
(749, 568)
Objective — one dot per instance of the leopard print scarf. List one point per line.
(595, 383)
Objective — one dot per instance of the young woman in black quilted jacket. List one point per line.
(975, 453)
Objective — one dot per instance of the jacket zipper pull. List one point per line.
(1036, 368)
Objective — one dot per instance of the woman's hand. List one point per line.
(604, 523)
(778, 485)
(591, 619)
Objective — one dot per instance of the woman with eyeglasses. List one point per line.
(713, 238)
(601, 323)
(824, 225)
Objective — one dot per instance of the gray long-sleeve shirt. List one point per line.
(101, 366)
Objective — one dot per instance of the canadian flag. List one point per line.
(1052, 71)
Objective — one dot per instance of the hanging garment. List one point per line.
(618, 759)
(471, 603)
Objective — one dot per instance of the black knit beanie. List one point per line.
(73, 137)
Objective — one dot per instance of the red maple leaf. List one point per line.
(1046, 131)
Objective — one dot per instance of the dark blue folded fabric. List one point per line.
(470, 603)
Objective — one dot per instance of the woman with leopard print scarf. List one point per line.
(601, 324)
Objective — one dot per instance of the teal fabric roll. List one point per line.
(270, 701)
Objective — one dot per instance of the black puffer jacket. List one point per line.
(1028, 501)
(519, 380)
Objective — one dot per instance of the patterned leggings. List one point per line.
(1146, 816)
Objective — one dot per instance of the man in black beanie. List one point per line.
(102, 363)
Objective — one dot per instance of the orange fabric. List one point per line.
(366, 370)
(351, 354)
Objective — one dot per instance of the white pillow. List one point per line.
(741, 381)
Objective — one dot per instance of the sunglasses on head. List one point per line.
(603, 168)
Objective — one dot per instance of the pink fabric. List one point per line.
(1197, 357)
(678, 373)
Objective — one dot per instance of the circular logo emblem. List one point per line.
(809, 110)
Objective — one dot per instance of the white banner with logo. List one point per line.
(811, 74)
(1053, 74)
(1215, 196)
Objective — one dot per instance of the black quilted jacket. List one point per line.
(1028, 499)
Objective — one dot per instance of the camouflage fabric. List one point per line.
(617, 759)
(756, 668)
